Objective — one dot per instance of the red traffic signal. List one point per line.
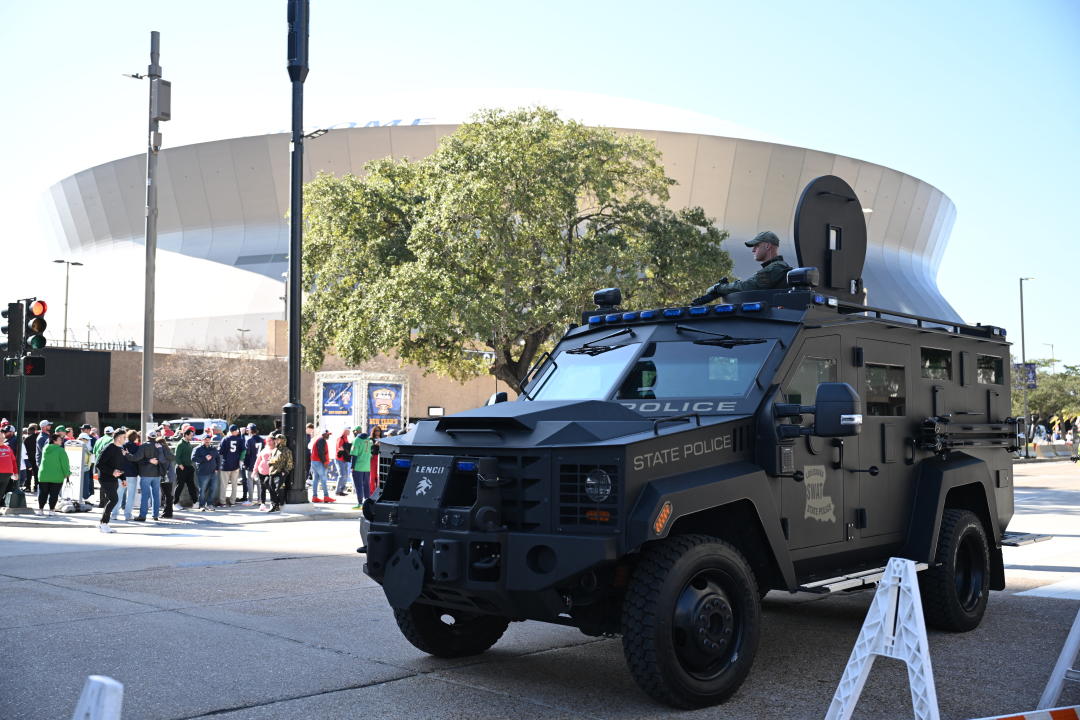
(33, 366)
(34, 338)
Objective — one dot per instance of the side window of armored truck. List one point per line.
(885, 393)
(936, 364)
(812, 371)
(990, 370)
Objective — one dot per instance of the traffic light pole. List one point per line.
(294, 415)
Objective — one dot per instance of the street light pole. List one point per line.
(1023, 362)
(67, 278)
(1053, 357)
(293, 414)
(160, 110)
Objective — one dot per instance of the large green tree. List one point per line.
(494, 243)
(1057, 394)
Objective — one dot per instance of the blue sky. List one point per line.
(980, 99)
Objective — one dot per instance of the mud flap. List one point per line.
(404, 578)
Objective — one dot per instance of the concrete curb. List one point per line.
(90, 519)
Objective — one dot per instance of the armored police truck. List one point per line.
(665, 468)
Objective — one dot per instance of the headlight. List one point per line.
(598, 485)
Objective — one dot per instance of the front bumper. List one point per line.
(520, 575)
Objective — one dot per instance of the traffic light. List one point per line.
(12, 329)
(33, 366)
(35, 326)
(12, 367)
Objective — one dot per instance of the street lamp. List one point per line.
(1053, 357)
(243, 337)
(67, 277)
(1023, 361)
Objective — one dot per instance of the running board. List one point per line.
(854, 581)
(1016, 539)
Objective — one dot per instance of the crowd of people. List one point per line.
(184, 468)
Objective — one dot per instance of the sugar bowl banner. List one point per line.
(384, 405)
(337, 399)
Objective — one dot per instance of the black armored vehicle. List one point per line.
(665, 468)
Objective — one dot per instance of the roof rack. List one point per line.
(955, 328)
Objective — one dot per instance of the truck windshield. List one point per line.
(675, 369)
(689, 369)
(583, 376)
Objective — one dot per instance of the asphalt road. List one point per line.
(253, 621)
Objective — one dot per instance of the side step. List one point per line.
(1016, 539)
(854, 581)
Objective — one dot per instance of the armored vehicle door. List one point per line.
(884, 383)
(813, 507)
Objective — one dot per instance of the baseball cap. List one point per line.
(85, 426)
(233, 428)
(60, 428)
(8, 428)
(764, 236)
(109, 429)
(252, 426)
(324, 431)
(43, 423)
(358, 428)
(152, 434)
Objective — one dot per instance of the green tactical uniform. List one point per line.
(772, 275)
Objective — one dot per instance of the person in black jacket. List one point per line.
(150, 471)
(111, 474)
(30, 454)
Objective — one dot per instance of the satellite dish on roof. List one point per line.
(830, 234)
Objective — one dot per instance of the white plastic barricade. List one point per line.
(1064, 670)
(102, 698)
(894, 628)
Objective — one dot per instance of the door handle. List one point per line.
(838, 443)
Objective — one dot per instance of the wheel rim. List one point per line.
(707, 629)
(970, 572)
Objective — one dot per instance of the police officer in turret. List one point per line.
(772, 275)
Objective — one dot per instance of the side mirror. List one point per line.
(837, 411)
(496, 398)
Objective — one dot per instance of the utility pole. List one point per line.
(160, 111)
(1023, 362)
(294, 415)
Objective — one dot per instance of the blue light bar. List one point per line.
(628, 316)
(648, 314)
(672, 312)
(615, 317)
(466, 466)
(596, 319)
(402, 462)
(699, 310)
(751, 307)
(819, 299)
(724, 308)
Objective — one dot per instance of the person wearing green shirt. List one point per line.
(361, 472)
(53, 472)
(185, 469)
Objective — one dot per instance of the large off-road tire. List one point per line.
(691, 621)
(447, 633)
(955, 590)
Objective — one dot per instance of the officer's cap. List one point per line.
(765, 236)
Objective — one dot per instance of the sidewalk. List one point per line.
(235, 515)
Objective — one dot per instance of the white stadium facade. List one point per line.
(223, 203)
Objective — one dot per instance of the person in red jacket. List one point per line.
(9, 469)
(344, 461)
(320, 458)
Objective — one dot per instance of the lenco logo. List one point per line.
(436, 469)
